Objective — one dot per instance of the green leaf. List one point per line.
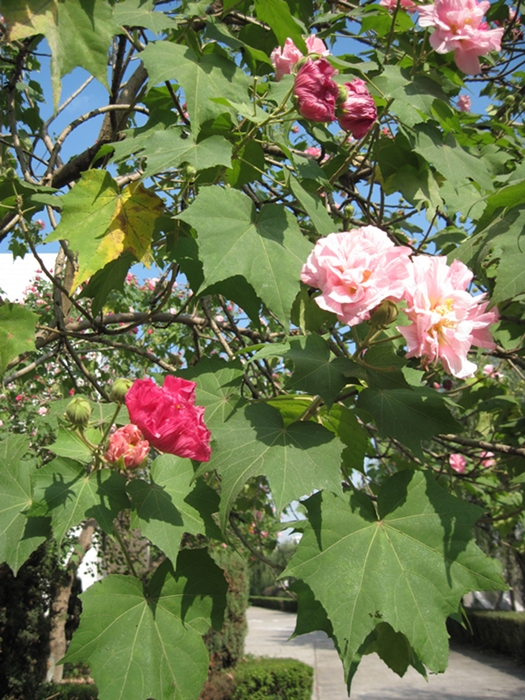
(167, 149)
(314, 207)
(218, 388)
(343, 423)
(413, 97)
(79, 33)
(17, 332)
(202, 78)
(314, 371)
(167, 507)
(396, 412)
(146, 643)
(447, 156)
(276, 13)
(503, 240)
(296, 459)
(408, 565)
(141, 13)
(69, 444)
(266, 247)
(63, 491)
(19, 535)
(394, 649)
(505, 198)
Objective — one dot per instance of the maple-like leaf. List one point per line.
(408, 564)
(296, 458)
(79, 33)
(147, 642)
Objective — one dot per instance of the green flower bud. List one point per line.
(190, 172)
(119, 390)
(78, 411)
(384, 314)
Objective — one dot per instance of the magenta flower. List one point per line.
(128, 443)
(358, 113)
(446, 319)
(464, 103)
(168, 417)
(459, 27)
(312, 151)
(315, 91)
(356, 270)
(284, 59)
(457, 462)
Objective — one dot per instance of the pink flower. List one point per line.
(356, 270)
(486, 459)
(284, 59)
(168, 417)
(491, 371)
(464, 103)
(315, 91)
(128, 443)
(459, 27)
(42, 411)
(313, 151)
(446, 319)
(457, 462)
(358, 113)
(407, 5)
(295, 129)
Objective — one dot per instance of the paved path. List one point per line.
(470, 675)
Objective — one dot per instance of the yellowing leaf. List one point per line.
(131, 229)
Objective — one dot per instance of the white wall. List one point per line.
(15, 275)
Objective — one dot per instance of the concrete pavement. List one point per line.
(471, 675)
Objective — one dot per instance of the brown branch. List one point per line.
(482, 444)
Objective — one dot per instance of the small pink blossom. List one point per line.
(40, 224)
(406, 5)
(42, 411)
(315, 91)
(295, 129)
(356, 270)
(284, 59)
(491, 371)
(313, 151)
(457, 462)
(464, 103)
(486, 459)
(446, 319)
(128, 443)
(19, 397)
(358, 113)
(459, 27)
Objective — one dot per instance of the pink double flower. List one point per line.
(360, 269)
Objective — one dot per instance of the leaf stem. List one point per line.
(120, 540)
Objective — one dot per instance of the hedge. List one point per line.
(284, 604)
(273, 679)
(497, 630)
(251, 679)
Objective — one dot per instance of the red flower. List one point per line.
(315, 91)
(127, 442)
(358, 112)
(168, 417)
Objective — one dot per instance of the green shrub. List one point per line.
(284, 604)
(25, 603)
(69, 691)
(227, 646)
(273, 679)
(498, 630)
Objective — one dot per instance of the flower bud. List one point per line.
(78, 411)
(384, 314)
(119, 390)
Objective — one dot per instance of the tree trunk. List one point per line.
(57, 637)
